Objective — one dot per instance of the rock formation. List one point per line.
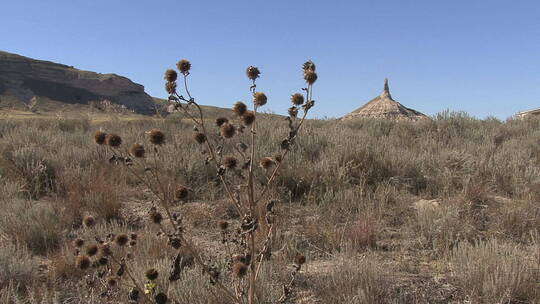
(528, 113)
(23, 78)
(383, 106)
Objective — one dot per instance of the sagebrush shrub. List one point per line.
(353, 281)
(17, 266)
(495, 272)
(32, 168)
(42, 230)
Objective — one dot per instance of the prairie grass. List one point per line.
(347, 192)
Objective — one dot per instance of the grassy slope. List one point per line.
(49, 109)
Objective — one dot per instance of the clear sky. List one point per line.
(482, 57)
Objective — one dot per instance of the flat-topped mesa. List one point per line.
(24, 78)
(383, 106)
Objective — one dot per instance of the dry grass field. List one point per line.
(440, 211)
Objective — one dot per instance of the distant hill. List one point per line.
(24, 81)
(212, 112)
(55, 87)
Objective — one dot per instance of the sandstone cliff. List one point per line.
(24, 78)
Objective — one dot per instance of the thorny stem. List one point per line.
(210, 148)
(266, 187)
(213, 156)
(190, 247)
(251, 193)
(186, 87)
(251, 202)
(239, 291)
(141, 179)
(222, 148)
(265, 247)
(225, 236)
(147, 299)
(198, 259)
(283, 154)
(285, 295)
(240, 152)
(156, 174)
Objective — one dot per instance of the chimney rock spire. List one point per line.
(386, 90)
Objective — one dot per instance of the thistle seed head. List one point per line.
(170, 87)
(227, 130)
(175, 243)
(89, 221)
(181, 193)
(112, 281)
(100, 137)
(103, 261)
(223, 224)
(121, 239)
(266, 162)
(134, 295)
(151, 274)
(161, 298)
(184, 66)
(240, 269)
(171, 75)
(230, 162)
(156, 137)
(239, 108)
(82, 262)
(221, 120)
(245, 259)
(113, 140)
(297, 99)
(156, 216)
(91, 250)
(248, 118)
(300, 259)
(309, 66)
(252, 72)
(310, 77)
(78, 242)
(199, 137)
(105, 249)
(259, 99)
(136, 150)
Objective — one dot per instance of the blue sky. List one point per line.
(482, 57)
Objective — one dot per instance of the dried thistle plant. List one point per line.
(105, 262)
(245, 176)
